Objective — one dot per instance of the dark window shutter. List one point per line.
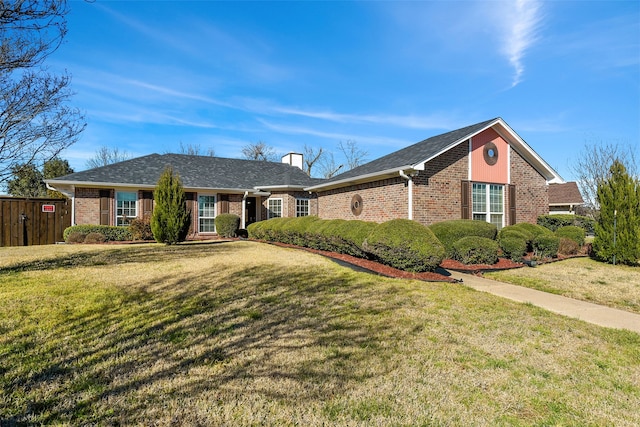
(465, 199)
(105, 201)
(147, 203)
(223, 203)
(512, 204)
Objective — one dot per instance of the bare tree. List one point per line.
(35, 122)
(311, 157)
(353, 154)
(328, 166)
(106, 156)
(593, 164)
(195, 150)
(259, 151)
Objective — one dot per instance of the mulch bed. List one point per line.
(440, 275)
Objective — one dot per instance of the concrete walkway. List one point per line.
(588, 312)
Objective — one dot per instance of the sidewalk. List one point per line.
(588, 312)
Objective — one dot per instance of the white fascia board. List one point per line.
(278, 187)
(525, 150)
(116, 185)
(361, 178)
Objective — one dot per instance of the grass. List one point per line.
(249, 334)
(581, 278)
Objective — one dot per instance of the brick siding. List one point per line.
(532, 191)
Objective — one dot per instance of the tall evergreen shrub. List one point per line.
(171, 219)
(619, 199)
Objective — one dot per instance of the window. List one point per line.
(206, 214)
(126, 207)
(274, 207)
(302, 207)
(488, 203)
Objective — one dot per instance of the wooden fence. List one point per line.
(25, 222)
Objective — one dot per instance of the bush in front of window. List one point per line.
(406, 245)
(140, 229)
(476, 250)
(111, 233)
(227, 224)
(449, 232)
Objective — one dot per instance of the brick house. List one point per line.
(483, 171)
(253, 190)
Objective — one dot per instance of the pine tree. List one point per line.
(171, 219)
(618, 226)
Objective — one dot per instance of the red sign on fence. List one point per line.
(48, 208)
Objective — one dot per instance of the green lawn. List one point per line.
(245, 333)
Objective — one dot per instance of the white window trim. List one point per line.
(269, 209)
(302, 199)
(116, 205)
(488, 210)
(215, 212)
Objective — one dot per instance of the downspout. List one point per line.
(410, 188)
(244, 210)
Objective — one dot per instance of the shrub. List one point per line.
(525, 231)
(95, 238)
(572, 232)
(553, 222)
(568, 246)
(406, 245)
(170, 220)
(111, 233)
(140, 229)
(227, 224)
(513, 247)
(75, 237)
(296, 230)
(546, 245)
(476, 250)
(449, 232)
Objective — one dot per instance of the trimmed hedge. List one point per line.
(111, 233)
(546, 245)
(553, 222)
(513, 247)
(406, 245)
(476, 250)
(572, 232)
(227, 224)
(449, 232)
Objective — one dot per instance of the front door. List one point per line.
(250, 210)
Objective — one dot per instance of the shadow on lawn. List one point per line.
(204, 334)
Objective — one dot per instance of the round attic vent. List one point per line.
(356, 205)
(490, 153)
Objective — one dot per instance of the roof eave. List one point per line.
(360, 179)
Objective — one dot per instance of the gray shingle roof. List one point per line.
(195, 172)
(412, 154)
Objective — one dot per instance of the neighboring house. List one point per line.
(484, 172)
(564, 198)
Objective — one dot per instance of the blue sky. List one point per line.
(151, 75)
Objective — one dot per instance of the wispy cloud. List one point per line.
(522, 24)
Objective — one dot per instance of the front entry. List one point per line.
(250, 210)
